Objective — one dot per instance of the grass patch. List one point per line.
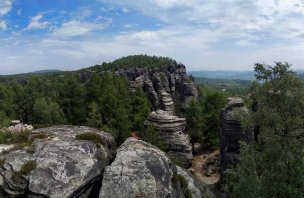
(93, 137)
(7, 137)
(26, 168)
(38, 136)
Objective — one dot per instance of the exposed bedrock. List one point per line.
(173, 80)
(232, 132)
(142, 170)
(57, 165)
(171, 129)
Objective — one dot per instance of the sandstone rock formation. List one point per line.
(171, 129)
(232, 132)
(142, 170)
(17, 126)
(57, 166)
(166, 88)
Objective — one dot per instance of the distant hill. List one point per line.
(46, 71)
(232, 75)
(229, 75)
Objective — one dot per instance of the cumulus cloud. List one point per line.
(80, 28)
(5, 7)
(36, 22)
(3, 25)
(203, 34)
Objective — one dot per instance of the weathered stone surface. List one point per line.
(142, 170)
(197, 190)
(172, 80)
(232, 132)
(17, 126)
(65, 167)
(5, 147)
(167, 102)
(171, 128)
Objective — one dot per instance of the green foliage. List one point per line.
(140, 110)
(7, 137)
(180, 180)
(231, 87)
(93, 137)
(47, 113)
(102, 102)
(203, 117)
(272, 166)
(94, 118)
(195, 121)
(152, 136)
(139, 61)
(25, 169)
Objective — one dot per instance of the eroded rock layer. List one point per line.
(166, 88)
(232, 132)
(171, 129)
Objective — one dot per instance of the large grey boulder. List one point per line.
(142, 170)
(61, 166)
(171, 129)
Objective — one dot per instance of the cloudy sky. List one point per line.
(202, 34)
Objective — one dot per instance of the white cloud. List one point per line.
(5, 6)
(37, 23)
(203, 34)
(3, 25)
(80, 28)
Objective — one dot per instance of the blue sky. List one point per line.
(202, 34)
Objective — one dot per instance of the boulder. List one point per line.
(171, 129)
(16, 126)
(142, 170)
(60, 165)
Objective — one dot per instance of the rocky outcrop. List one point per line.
(57, 165)
(232, 132)
(171, 129)
(196, 189)
(17, 126)
(166, 87)
(142, 170)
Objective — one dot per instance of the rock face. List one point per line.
(63, 166)
(142, 170)
(166, 88)
(171, 129)
(231, 132)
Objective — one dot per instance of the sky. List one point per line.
(201, 34)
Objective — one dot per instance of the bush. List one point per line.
(93, 137)
(178, 179)
(152, 136)
(26, 168)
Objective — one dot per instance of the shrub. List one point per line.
(178, 179)
(93, 137)
(26, 168)
(152, 136)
